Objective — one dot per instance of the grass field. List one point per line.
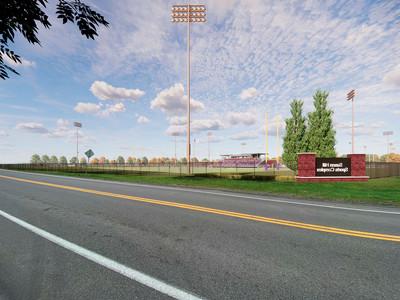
(385, 191)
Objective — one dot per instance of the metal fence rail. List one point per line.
(171, 169)
(374, 169)
(382, 169)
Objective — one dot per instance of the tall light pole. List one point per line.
(387, 134)
(266, 138)
(277, 139)
(209, 134)
(188, 13)
(77, 125)
(350, 97)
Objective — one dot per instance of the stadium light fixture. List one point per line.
(188, 13)
(350, 97)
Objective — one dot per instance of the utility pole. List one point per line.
(266, 138)
(188, 13)
(350, 96)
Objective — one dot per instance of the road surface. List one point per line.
(67, 238)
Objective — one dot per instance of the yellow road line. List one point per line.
(320, 228)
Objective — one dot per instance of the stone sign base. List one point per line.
(332, 179)
(307, 169)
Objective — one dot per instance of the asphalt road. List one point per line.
(205, 244)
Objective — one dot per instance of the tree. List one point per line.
(145, 160)
(183, 160)
(293, 141)
(54, 159)
(35, 159)
(120, 160)
(102, 160)
(320, 135)
(63, 160)
(131, 160)
(24, 16)
(83, 161)
(73, 160)
(45, 159)
(94, 161)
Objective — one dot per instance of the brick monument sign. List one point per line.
(331, 169)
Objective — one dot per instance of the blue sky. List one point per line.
(127, 87)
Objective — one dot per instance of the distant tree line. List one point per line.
(46, 159)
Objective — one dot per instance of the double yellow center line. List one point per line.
(354, 233)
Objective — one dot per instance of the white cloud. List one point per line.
(99, 109)
(178, 126)
(248, 93)
(116, 108)
(245, 135)
(393, 77)
(206, 124)
(3, 133)
(32, 127)
(104, 91)
(245, 118)
(176, 130)
(173, 101)
(142, 120)
(177, 120)
(24, 62)
(63, 129)
(87, 108)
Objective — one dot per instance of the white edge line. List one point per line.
(135, 275)
(213, 193)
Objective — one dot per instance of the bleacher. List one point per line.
(246, 160)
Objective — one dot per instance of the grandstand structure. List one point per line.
(244, 160)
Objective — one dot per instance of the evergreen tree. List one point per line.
(73, 160)
(320, 135)
(63, 160)
(293, 141)
(120, 160)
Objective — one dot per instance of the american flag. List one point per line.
(77, 124)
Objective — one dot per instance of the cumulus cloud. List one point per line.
(32, 127)
(248, 93)
(172, 101)
(245, 118)
(245, 135)
(206, 124)
(87, 108)
(393, 77)
(99, 109)
(142, 120)
(104, 91)
(24, 62)
(115, 108)
(178, 129)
